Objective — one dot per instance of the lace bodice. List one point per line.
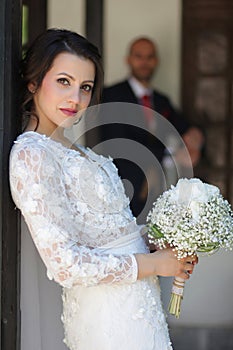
(73, 204)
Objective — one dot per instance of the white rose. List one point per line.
(195, 209)
(192, 192)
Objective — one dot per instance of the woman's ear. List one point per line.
(32, 87)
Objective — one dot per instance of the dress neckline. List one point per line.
(81, 150)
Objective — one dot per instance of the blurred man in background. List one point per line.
(142, 60)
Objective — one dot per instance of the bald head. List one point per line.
(142, 59)
(142, 41)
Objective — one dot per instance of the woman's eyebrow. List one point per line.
(68, 75)
(72, 78)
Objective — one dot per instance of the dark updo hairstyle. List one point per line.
(39, 59)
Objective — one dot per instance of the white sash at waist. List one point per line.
(133, 239)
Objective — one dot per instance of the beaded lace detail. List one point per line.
(72, 204)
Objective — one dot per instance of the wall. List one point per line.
(69, 14)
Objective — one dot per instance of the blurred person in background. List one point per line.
(143, 61)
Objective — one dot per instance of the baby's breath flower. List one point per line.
(191, 217)
(190, 222)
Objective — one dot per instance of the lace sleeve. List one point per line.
(39, 192)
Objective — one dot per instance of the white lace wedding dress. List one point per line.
(81, 223)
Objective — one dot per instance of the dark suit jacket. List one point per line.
(122, 92)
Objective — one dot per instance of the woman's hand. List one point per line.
(165, 263)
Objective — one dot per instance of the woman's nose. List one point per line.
(75, 96)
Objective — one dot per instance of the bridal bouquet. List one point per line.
(191, 217)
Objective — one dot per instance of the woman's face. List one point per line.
(65, 90)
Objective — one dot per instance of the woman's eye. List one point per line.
(63, 81)
(87, 88)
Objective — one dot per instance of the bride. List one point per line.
(75, 207)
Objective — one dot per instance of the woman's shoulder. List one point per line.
(30, 139)
(31, 145)
(34, 152)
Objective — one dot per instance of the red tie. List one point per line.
(149, 115)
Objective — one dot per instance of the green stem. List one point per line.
(156, 231)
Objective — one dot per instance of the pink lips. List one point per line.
(69, 112)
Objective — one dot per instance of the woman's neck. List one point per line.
(56, 133)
